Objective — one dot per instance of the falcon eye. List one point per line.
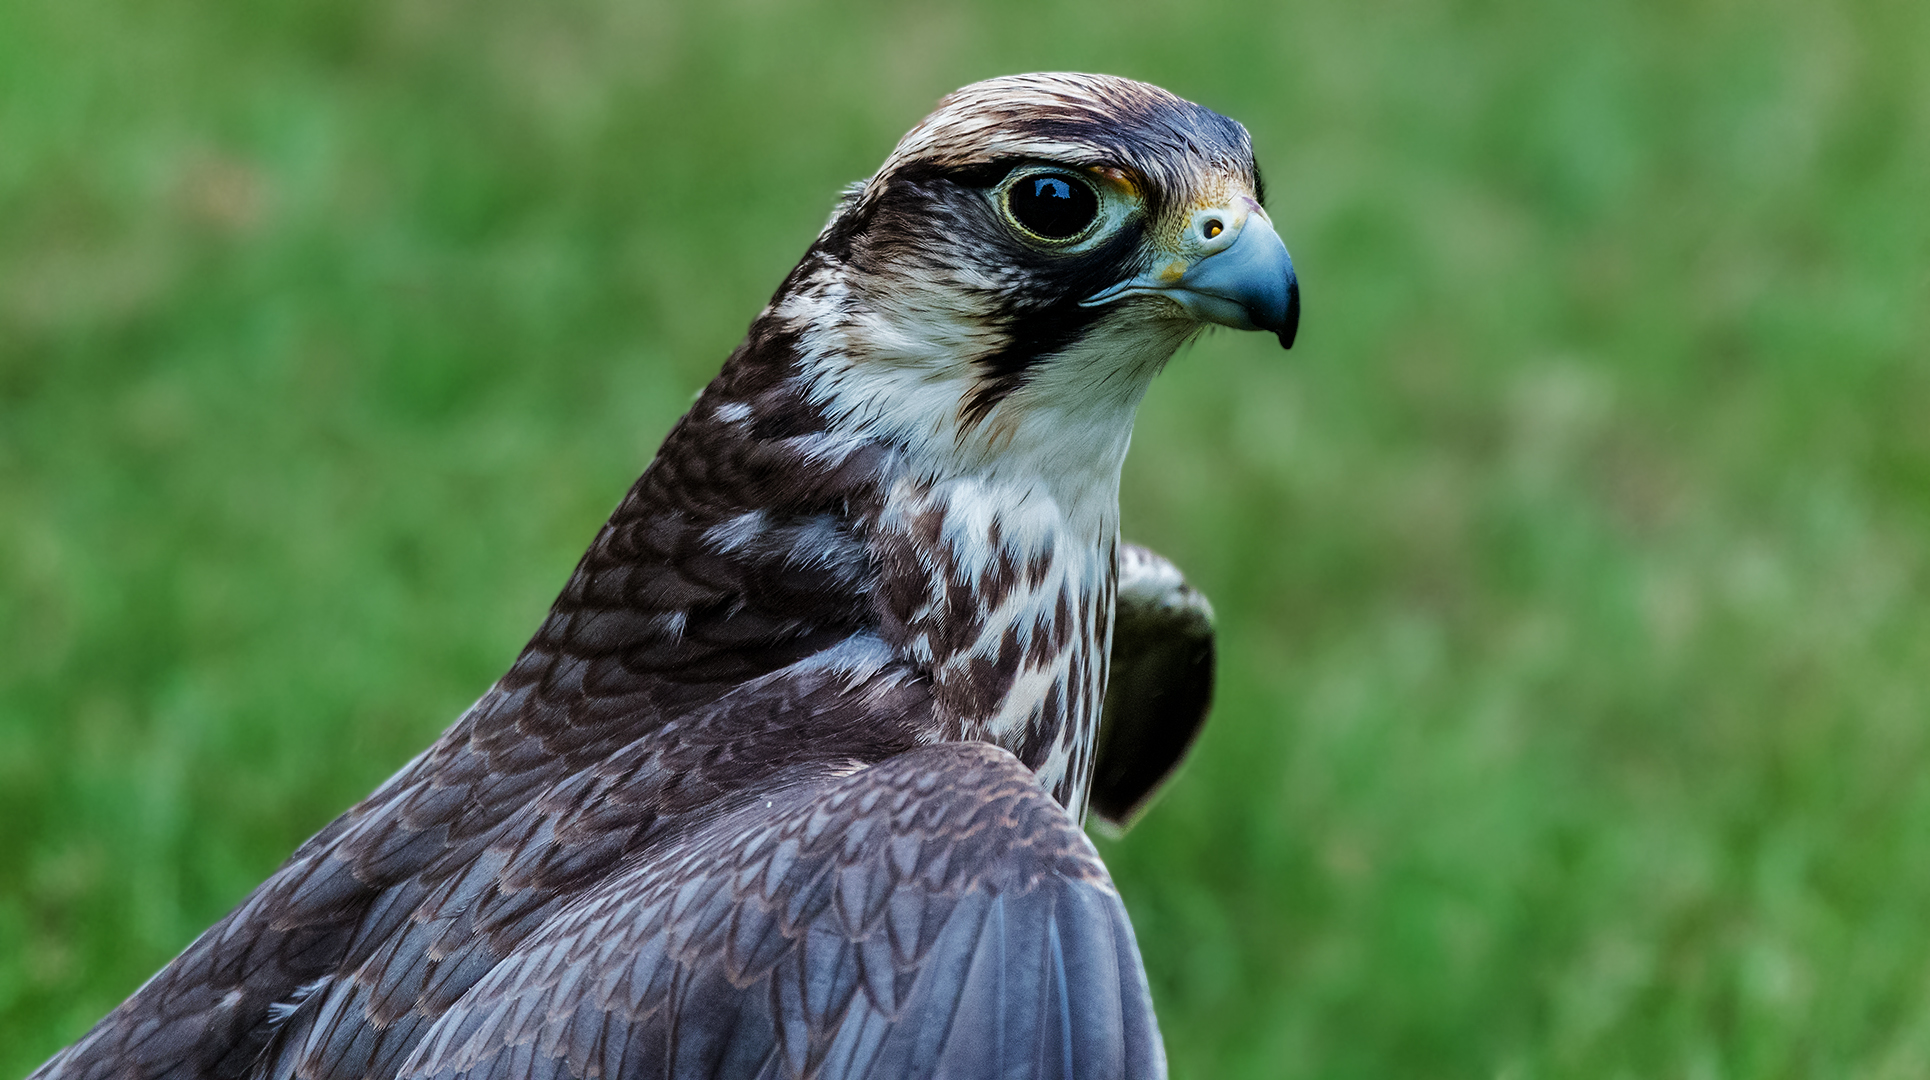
(1052, 206)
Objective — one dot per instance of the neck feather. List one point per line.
(997, 527)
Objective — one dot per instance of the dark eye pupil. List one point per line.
(1055, 207)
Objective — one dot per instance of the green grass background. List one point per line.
(1575, 702)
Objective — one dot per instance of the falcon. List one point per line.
(790, 781)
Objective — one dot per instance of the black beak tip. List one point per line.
(1290, 328)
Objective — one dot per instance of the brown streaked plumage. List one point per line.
(788, 783)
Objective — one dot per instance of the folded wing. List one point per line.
(934, 915)
(1160, 687)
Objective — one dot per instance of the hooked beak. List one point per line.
(1247, 282)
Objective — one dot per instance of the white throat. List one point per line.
(900, 371)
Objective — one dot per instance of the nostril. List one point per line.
(1212, 227)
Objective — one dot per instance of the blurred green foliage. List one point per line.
(1575, 705)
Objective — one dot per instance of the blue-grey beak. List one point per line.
(1248, 285)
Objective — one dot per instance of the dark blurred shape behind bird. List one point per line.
(790, 781)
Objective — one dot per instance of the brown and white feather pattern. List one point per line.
(884, 536)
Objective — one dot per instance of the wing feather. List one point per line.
(796, 937)
(1160, 686)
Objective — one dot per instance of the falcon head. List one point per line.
(1029, 257)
